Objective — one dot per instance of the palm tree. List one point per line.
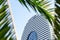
(6, 27)
(42, 6)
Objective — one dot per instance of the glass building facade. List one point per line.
(32, 36)
(37, 28)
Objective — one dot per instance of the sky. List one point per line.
(21, 16)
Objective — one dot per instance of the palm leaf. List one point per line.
(57, 16)
(57, 1)
(1, 1)
(5, 22)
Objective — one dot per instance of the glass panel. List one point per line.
(32, 36)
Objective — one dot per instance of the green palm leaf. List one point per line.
(6, 26)
(57, 20)
(1, 1)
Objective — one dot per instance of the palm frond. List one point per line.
(1, 1)
(57, 20)
(40, 6)
(6, 26)
(57, 1)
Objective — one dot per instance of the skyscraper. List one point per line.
(37, 28)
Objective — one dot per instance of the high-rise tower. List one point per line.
(37, 28)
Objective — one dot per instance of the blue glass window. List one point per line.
(32, 36)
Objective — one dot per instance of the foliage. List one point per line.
(6, 26)
(57, 20)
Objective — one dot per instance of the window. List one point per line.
(32, 36)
